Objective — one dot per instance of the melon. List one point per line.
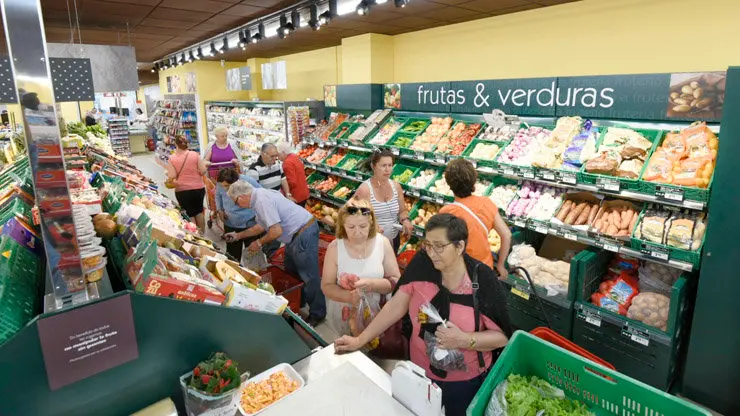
(224, 272)
(105, 228)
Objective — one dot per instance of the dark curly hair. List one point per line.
(228, 175)
(461, 176)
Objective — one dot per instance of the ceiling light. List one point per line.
(242, 40)
(190, 56)
(314, 21)
(155, 68)
(213, 49)
(325, 18)
(401, 3)
(295, 19)
(363, 8)
(283, 30)
(225, 46)
(200, 53)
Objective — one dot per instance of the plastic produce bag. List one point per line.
(448, 360)
(255, 260)
(650, 308)
(361, 315)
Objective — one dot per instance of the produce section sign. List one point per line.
(679, 96)
(88, 340)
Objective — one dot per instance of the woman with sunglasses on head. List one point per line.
(359, 260)
(386, 197)
(466, 293)
(480, 214)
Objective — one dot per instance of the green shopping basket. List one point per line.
(604, 391)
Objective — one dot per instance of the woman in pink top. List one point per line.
(222, 153)
(477, 322)
(187, 168)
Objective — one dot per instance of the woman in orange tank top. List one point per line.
(187, 169)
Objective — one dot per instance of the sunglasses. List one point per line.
(360, 210)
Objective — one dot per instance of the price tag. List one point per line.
(358, 177)
(376, 149)
(669, 193)
(522, 294)
(418, 232)
(395, 151)
(414, 193)
(659, 253)
(548, 176)
(590, 318)
(568, 177)
(439, 200)
(509, 171)
(541, 229)
(608, 184)
(520, 223)
(570, 236)
(693, 204)
(526, 173)
(611, 247)
(636, 335)
(322, 144)
(440, 160)
(331, 143)
(473, 162)
(419, 154)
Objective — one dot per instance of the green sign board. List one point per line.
(355, 96)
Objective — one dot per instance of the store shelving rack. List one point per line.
(267, 121)
(119, 136)
(178, 116)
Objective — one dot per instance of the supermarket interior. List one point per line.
(226, 207)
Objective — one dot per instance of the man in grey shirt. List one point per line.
(284, 221)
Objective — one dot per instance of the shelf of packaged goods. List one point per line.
(238, 115)
(252, 129)
(564, 179)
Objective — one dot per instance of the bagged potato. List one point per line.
(651, 309)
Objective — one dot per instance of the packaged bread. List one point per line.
(653, 226)
(630, 168)
(604, 162)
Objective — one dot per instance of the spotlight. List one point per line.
(363, 8)
(190, 56)
(401, 3)
(199, 56)
(325, 18)
(242, 40)
(213, 49)
(225, 46)
(283, 30)
(295, 20)
(155, 68)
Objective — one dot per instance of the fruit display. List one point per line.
(415, 127)
(423, 178)
(622, 153)
(502, 195)
(427, 140)
(679, 229)
(535, 201)
(498, 133)
(523, 146)
(409, 202)
(306, 151)
(386, 132)
(485, 151)
(494, 241)
(336, 157)
(350, 163)
(257, 395)
(440, 187)
(686, 158)
(403, 141)
(578, 212)
(326, 185)
(616, 218)
(324, 130)
(325, 213)
(345, 190)
(318, 155)
(550, 155)
(458, 138)
(424, 213)
(404, 176)
(551, 274)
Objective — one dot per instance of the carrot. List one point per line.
(565, 210)
(592, 213)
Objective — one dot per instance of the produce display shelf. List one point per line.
(250, 129)
(569, 180)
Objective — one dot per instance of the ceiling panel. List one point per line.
(156, 28)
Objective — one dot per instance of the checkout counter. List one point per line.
(137, 136)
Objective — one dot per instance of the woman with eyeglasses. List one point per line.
(386, 197)
(466, 293)
(359, 261)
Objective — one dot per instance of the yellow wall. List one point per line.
(591, 37)
(356, 60)
(308, 72)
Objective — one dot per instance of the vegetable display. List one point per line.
(427, 140)
(216, 375)
(258, 395)
(531, 396)
(404, 176)
(622, 152)
(686, 158)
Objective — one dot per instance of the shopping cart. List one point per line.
(211, 180)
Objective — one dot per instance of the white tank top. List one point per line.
(386, 213)
(367, 268)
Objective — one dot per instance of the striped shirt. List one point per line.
(270, 177)
(386, 213)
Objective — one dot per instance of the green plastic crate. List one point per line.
(352, 185)
(315, 177)
(340, 131)
(489, 163)
(418, 231)
(411, 121)
(526, 313)
(350, 156)
(688, 256)
(604, 391)
(456, 122)
(431, 194)
(399, 168)
(417, 192)
(389, 122)
(689, 193)
(654, 136)
(344, 138)
(399, 148)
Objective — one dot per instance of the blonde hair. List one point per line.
(343, 214)
(220, 130)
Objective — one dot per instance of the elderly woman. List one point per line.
(466, 294)
(386, 197)
(480, 214)
(221, 151)
(359, 260)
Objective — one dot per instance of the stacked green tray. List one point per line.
(352, 185)
(489, 163)
(415, 126)
(20, 272)
(418, 191)
(388, 123)
(15, 206)
(344, 137)
(603, 390)
(315, 177)
(692, 257)
(400, 168)
(689, 193)
(341, 130)
(347, 163)
(654, 136)
(400, 143)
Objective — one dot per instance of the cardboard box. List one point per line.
(208, 269)
(191, 248)
(163, 238)
(238, 296)
(180, 289)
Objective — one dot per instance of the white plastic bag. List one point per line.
(448, 360)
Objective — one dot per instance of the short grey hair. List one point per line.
(285, 147)
(267, 146)
(220, 130)
(240, 188)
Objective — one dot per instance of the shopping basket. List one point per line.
(603, 390)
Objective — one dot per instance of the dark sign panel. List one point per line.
(359, 96)
(88, 340)
(72, 79)
(527, 96)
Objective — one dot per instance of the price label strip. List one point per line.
(590, 317)
(656, 252)
(669, 193)
(636, 335)
(546, 175)
(521, 292)
(526, 173)
(508, 171)
(609, 184)
(568, 178)
(608, 245)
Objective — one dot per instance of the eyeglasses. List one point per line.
(436, 248)
(361, 210)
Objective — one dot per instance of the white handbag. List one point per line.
(416, 392)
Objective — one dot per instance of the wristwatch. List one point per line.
(473, 342)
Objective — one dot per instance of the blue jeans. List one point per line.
(302, 258)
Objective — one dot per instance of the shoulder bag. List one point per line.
(171, 183)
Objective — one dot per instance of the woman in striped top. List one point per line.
(386, 197)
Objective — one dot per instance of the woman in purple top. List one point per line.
(221, 151)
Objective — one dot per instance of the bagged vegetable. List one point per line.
(448, 360)
(361, 315)
(531, 396)
(657, 278)
(651, 309)
(616, 294)
(660, 167)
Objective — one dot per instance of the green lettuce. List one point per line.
(530, 396)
